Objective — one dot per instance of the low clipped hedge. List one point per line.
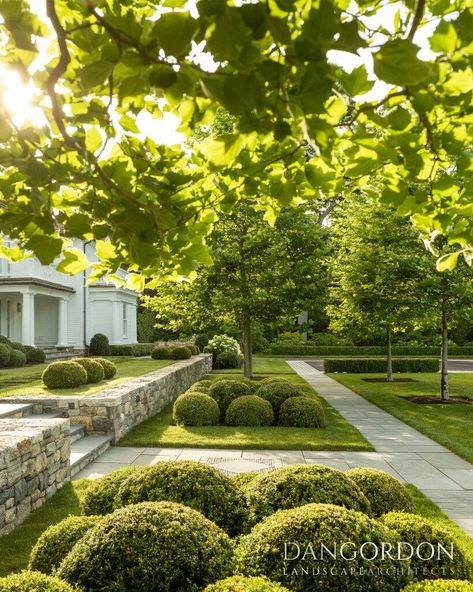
(99, 497)
(384, 492)
(109, 368)
(302, 412)
(17, 358)
(242, 584)
(418, 531)
(148, 547)
(57, 540)
(366, 350)
(33, 581)
(249, 410)
(195, 409)
(225, 391)
(276, 392)
(34, 355)
(296, 485)
(192, 483)
(64, 374)
(135, 350)
(373, 365)
(440, 586)
(94, 369)
(262, 551)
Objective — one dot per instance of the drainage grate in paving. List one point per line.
(233, 466)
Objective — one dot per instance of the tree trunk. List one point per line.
(247, 346)
(389, 365)
(444, 394)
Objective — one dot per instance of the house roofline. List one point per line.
(29, 281)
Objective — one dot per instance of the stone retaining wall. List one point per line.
(34, 464)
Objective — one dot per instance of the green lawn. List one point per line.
(159, 431)
(28, 379)
(265, 365)
(449, 425)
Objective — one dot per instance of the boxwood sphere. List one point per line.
(94, 369)
(277, 392)
(384, 491)
(262, 551)
(33, 581)
(249, 410)
(242, 479)
(57, 540)
(192, 483)
(148, 547)
(226, 391)
(202, 386)
(34, 355)
(17, 358)
(195, 350)
(196, 409)
(5, 353)
(109, 368)
(271, 379)
(180, 353)
(242, 584)
(296, 485)
(417, 530)
(440, 586)
(99, 345)
(302, 412)
(64, 375)
(161, 352)
(99, 497)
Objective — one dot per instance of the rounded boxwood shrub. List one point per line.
(18, 346)
(225, 360)
(202, 386)
(271, 379)
(33, 581)
(99, 497)
(192, 483)
(64, 375)
(262, 551)
(17, 358)
(296, 485)
(180, 353)
(109, 368)
(249, 410)
(94, 369)
(440, 586)
(201, 340)
(424, 535)
(5, 352)
(302, 412)
(99, 345)
(277, 392)
(226, 391)
(194, 349)
(148, 547)
(34, 355)
(195, 409)
(4, 340)
(243, 479)
(384, 491)
(57, 540)
(242, 584)
(161, 352)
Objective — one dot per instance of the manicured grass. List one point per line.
(29, 377)
(265, 365)
(449, 425)
(160, 432)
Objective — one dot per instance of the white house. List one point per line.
(43, 307)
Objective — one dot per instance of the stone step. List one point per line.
(15, 410)
(77, 433)
(86, 450)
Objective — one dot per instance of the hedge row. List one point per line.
(366, 350)
(373, 365)
(136, 349)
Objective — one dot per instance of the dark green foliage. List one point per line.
(415, 530)
(135, 350)
(32, 581)
(161, 352)
(297, 485)
(56, 542)
(259, 553)
(149, 547)
(99, 497)
(302, 412)
(242, 584)
(195, 409)
(191, 483)
(94, 369)
(99, 345)
(34, 355)
(17, 358)
(18, 346)
(64, 375)
(384, 492)
(180, 353)
(440, 586)
(226, 360)
(194, 349)
(249, 410)
(203, 386)
(226, 391)
(276, 392)
(373, 365)
(109, 368)
(201, 340)
(5, 352)
(366, 350)
(4, 340)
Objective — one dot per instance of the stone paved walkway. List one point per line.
(402, 451)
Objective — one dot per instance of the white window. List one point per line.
(125, 321)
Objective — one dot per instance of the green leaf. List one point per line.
(397, 63)
(459, 82)
(223, 150)
(45, 248)
(105, 249)
(135, 281)
(400, 118)
(242, 93)
(314, 89)
(175, 31)
(356, 83)
(93, 139)
(95, 74)
(445, 39)
(74, 262)
(129, 124)
(447, 262)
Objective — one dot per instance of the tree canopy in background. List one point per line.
(89, 170)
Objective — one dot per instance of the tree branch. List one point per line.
(416, 19)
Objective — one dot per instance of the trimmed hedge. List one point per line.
(194, 349)
(201, 340)
(33, 581)
(5, 352)
(196, 409)
(17, 358)
(384, 492)
(148, 547)
(64, 374)
(416, 531)
(18, 346)
(161, 352)
(366, 350)
(57, 540)
(242, 584)
(99, 497)
(276, 392)
(373, 365)
(225, 391)
(180, 352)
(4, 340)
(192, 483)
(94, 369)
(242, 479)
(109, 368)
(261, 551)
(202, 386)
(134, 350)
(99, 345)
(249, 410)
(227, 360)
(34, 355)
(440, 586)
(302, 412)
(297, 485)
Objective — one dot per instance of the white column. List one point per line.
(27, 319)
(116, 323)
(62, 323)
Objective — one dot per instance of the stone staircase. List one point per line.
(84, 448)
